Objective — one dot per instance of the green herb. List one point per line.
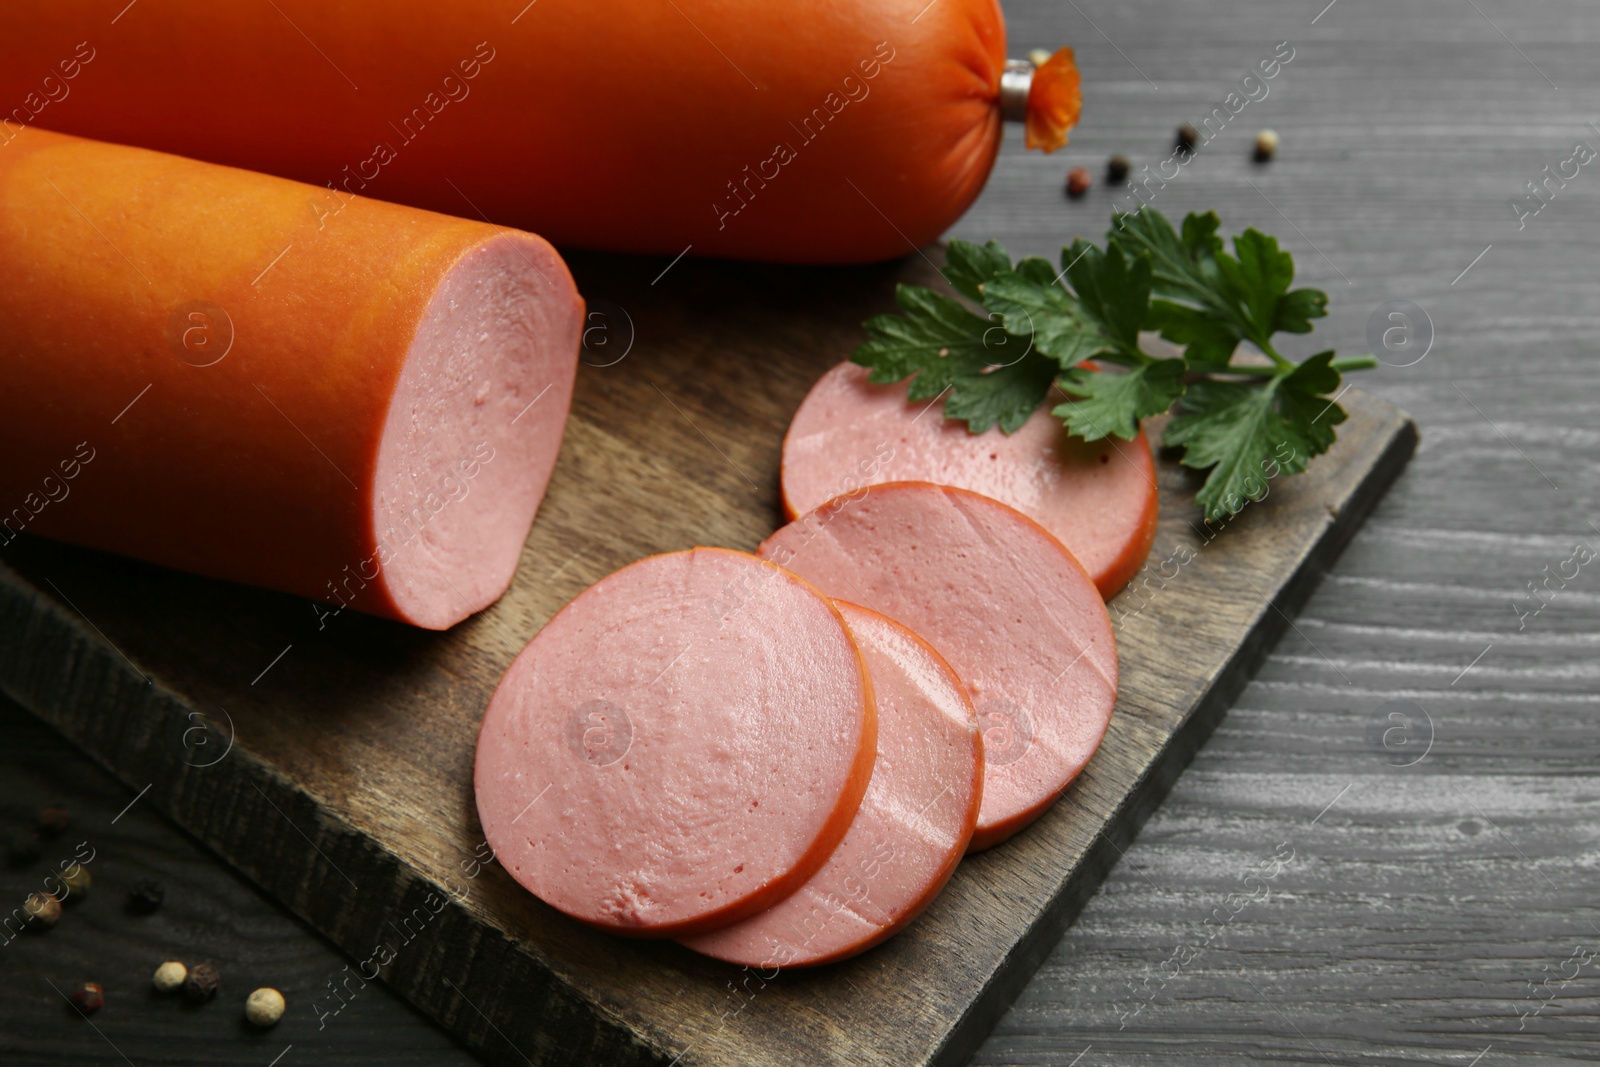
(1244, 421)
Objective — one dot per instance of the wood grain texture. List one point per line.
(1414, 917)
(1421, 905)
(347, 790)
(210, 913)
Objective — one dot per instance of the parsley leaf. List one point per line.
(1028, 328)
(1032, 305)
(1210, 300)
(1113, 290)
(1182, 266)
(1111, 404)
(1099, 317)
(1006, 395)
(967, 266)
(1206, 342)
(1304, 398)
(1259, 279)
(992, 377)
(1247, 433)
(937, 340)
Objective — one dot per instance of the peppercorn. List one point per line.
(169, 976)
(1078, 182)
(1188, 137)
(1266, 145)
(88, 997)
(75, 883)
(43, 911)
(1117, 168)
(23, 849)
(53, 820)
(202, 983)
(264, 1007)
(146, 896)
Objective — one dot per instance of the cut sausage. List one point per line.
(811, 130)
(681, 746)
(1098, 498)
(363, 409)
(913, 826)
(1002, 601)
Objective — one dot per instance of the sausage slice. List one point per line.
(1002, 601)
(681, 746)
(913, 825)
(1098, 499)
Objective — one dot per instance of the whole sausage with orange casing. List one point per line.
(808, 131)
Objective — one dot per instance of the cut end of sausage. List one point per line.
(473, 430)
(913, 826)
(1098, 498)
(682, 745)
(1002, 601)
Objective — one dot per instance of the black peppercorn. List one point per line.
(1117, 168)
(146, 896)
(1188, 137)
(1078, 182)
(88, 997)
(53, 820)
(202, 983)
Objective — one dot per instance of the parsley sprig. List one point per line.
(1038, 326)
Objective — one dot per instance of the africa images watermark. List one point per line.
(53, 489)
(53, 89)
(452, 89)
(851, 488)
(852, 89)
(412, 925)
(1536, 599)
(805, 930)
(1140, 591)
(59, 886)
(1253, 88)
(453, 487)
(1541, 193)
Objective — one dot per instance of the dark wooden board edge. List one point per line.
(61, 670)
(57, 660)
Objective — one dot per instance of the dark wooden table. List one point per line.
(1421, 760)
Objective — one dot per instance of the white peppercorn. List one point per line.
(1266, 145)
(264, 1007)
(169, 976)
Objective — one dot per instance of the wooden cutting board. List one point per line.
(332, 761)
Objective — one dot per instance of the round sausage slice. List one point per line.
(1098, 498)
(1003, 602)
(683, 744)
(913, 825)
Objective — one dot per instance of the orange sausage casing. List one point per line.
(806, 131)
(246, 377)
